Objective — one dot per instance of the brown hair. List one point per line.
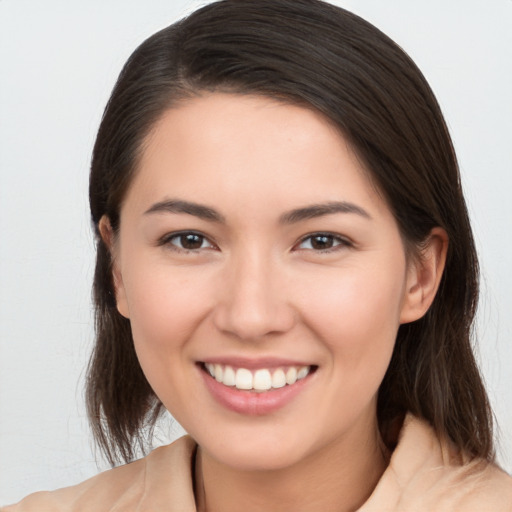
(310, 53)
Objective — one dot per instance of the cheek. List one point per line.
(165, 309)
(165, 306)
(357, 314)
(353, 314)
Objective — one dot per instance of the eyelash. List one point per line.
(167, 240)
(338, 241)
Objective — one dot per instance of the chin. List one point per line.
(260, 460)
(260, 451)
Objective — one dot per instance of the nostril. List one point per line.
(253, 322)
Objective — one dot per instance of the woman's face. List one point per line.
(252, 245)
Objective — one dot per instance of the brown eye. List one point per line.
(191, 241)
(187, 241)
(322, 242)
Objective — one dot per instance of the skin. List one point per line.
(257, 286)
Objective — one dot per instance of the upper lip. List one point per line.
(255, 363)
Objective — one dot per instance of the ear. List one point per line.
(108, 237)
(424, 275)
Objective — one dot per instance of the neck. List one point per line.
(339, 477)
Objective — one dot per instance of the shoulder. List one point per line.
(139, 485)
(426, 473)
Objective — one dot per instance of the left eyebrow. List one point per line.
(187, 207)
(319, 210)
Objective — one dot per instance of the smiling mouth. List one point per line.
(259, 380)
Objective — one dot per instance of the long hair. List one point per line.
(314, 54)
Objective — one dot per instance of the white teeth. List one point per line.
(300, 374)
(219, 373)
(278, 379)
(243, 379)
(291, 376)
(229, 376)
(211, 369)
(261, 380)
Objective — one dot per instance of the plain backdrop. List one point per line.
(58, 62)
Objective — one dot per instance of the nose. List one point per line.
(253, 302)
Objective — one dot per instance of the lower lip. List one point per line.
(253, 403)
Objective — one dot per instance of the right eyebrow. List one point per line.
(190, 208)
(321, 209)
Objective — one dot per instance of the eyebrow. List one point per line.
(319, 210)
(180, 206)
(291, 217)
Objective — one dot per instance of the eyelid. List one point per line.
(342, 241)
(166, 239)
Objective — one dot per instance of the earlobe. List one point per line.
(424, 275)
(108, 237)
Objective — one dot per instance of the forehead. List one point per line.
(250, 147)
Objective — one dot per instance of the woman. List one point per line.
(285, 263)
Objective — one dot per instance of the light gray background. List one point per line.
(58, 62)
